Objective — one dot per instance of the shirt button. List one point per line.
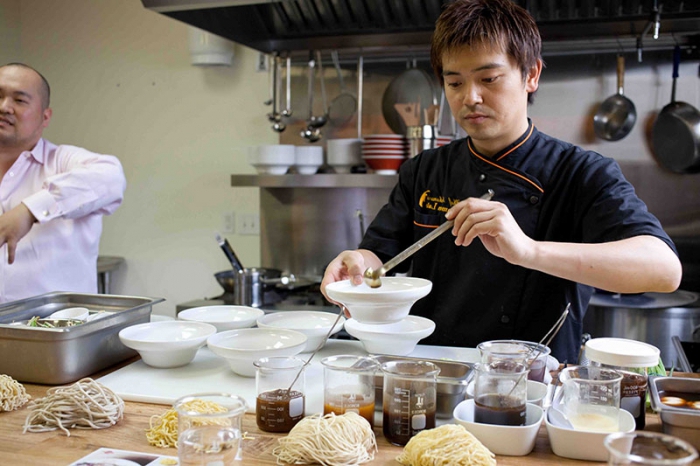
(505, 319)
(482, 177)
(534, 200)
(46, 213)
(12, 173)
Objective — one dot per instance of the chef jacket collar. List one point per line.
(511, 148)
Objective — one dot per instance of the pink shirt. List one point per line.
(67, 189)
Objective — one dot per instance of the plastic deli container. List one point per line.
(632, 359)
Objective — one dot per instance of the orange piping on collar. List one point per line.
(425, 226)
(532, 127)
(501, 168)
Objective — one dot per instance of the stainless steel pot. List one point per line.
(649, 317)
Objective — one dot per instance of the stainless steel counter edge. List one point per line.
(353, 180)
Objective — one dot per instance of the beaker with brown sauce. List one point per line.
(280, 402)
(500, 392)
(499, 409)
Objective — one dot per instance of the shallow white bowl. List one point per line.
(223, 317)
(167, 343)
(314, 324)
(398, 338)
(308, 159)
(242, 347)
(502, 440)
(271, 169)
(79, 313)
(581, 445)
(391, 302)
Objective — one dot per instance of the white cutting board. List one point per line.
(208, 372)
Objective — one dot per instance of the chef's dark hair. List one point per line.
(495, 23)
(45, 89)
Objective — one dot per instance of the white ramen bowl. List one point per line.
(391, 302)
(167, 343)
(314, 324)
(223, 317)
(397, 338)
(241, 347)
(502, 440)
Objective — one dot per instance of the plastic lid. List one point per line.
(622, 352)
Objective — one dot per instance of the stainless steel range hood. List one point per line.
(386, 25)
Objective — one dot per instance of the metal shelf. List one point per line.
(354, 180)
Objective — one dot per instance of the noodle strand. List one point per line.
(12, 394)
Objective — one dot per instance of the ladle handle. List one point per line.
(409, 251)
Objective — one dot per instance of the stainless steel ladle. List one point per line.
(373, 277)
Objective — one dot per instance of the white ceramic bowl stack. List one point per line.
(380, 316)
(308, 159)
(241, 347)
(223, 317)
(343, 154)
(272, 159)
(167, 343)
(384, 153)
(314, 324)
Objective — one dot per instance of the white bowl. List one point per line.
(242, 347)
(581, 445)
(79, 313)
(167, 343)
(398, 338)
(272, 159)
(314, 324)
(502, 440)
(223, 317)
(343, 154)
(391, 302)
(308, 159)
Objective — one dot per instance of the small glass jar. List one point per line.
(632, 359)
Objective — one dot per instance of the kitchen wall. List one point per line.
(122, 84)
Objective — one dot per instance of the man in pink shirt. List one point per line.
(52, 198)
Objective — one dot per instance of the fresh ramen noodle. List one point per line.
(84, 405)
(12, 394)
(449, 444)
(163, 428)
(328, 440)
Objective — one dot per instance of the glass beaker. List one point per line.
(519, 350)
(648, 448)
(409, 398)
(591, 398)
(500, 392)
(279, 404)
(212, 436)
(348, 385)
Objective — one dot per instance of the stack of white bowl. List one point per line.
(343, 154)
(384, 153)
(272, 159)
(308, 159)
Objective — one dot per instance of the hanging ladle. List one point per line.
(319, 121)
(275, 117)
(287, 112)
(373, 277)
(311, 132)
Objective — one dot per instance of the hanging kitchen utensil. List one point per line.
(413, 85)
(343, 107)
(287, 112)
(269, 81)
(616, 116)
(676, 131)
(321, 120)
(311, 133)
(360, 90)
(276, 117)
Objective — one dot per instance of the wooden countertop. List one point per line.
(54, 448)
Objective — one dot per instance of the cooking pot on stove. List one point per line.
(250, 286)
(648, 317)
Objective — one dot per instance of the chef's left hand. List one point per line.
(494, 225)
(14, 225)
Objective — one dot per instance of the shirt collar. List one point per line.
(38, 151)
(526, 137)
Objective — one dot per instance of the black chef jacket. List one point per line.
(555, 191)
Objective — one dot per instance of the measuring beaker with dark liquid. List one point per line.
(278, 408)
(409, 399)
(500, 393)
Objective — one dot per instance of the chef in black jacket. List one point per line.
(563, 219)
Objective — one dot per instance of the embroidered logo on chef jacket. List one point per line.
(437, 203)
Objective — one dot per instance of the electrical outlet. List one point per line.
(263, 63)
(248, 224)
(229, 222)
